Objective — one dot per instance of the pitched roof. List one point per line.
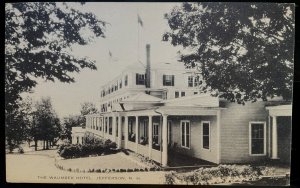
(142, 98)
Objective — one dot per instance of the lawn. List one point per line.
(112, 161)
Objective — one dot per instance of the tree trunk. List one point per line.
(47, 144)
(35, 145)
(43, 144)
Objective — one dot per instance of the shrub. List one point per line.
(70, 151)
(21, 150)
(96, 148)
(219, 174)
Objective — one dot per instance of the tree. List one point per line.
(68, 123)
(20, 121)
(243, 51)
(46, 124)
(87, 108)
(38, 44)
(77, 120)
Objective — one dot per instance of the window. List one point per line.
(195, 93)
(110, 126)
(176, 94)
(140, 79)
(131, 134)
(206, 135)
(145, 133)
(120, 84)
(185, 133)
(155, 133)
(257, 131)
(106, 125)
(182, 94)
(117, 127)
(197, 81)
(126, 80)
(100, 128)
(190, 81)
(96, 123)
(168, 80)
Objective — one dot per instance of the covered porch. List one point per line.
(146, 125)
(280, 129)
(155, 133)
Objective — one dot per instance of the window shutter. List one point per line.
(164, 79)
(172, 80)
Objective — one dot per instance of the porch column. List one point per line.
(274, 138)
(219, 135)
(126, 131)
(150, 135)
(114, 127)
(164, 141)
(119, 131)
(136, 132)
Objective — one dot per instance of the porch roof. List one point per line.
(174, 110)
(280, 110)
(142, 98)
(189, 110)
(78, 130)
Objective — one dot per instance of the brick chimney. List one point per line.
(148, 67)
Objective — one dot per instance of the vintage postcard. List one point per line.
(149, 93)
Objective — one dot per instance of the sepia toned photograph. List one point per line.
(176, 93)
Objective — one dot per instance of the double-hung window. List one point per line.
(168, 80)
(140, 79)
(190, 81)
(110, 126)
(206, 135)
(257, 138)
(126, 80)
(185, 133)
(197, 81)
(176, 94)
(155, 133)
(120, 84)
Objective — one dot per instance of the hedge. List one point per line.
(74, 151)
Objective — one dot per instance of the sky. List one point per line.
(121, 39)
